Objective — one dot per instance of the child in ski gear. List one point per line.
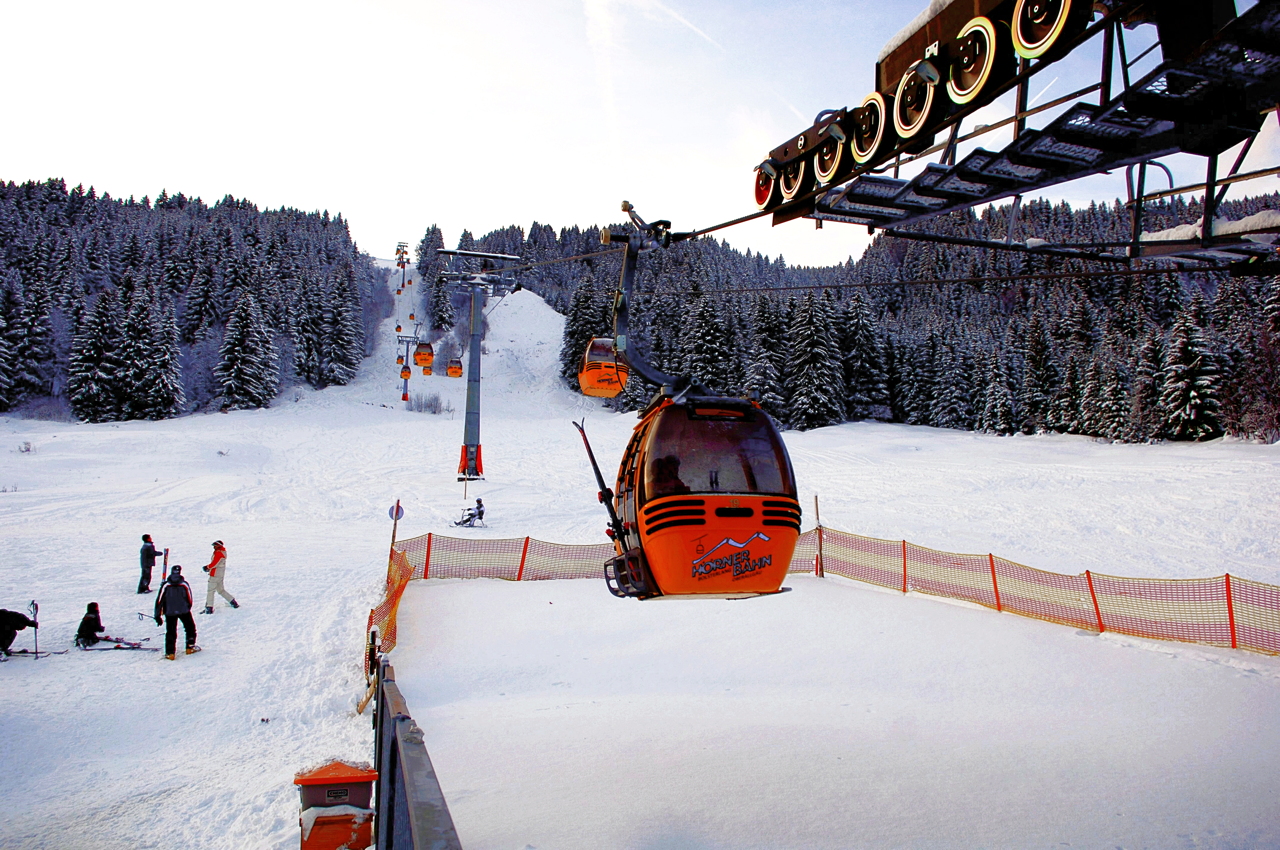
(147, 557)
(90, 627)
(174, 602)
(471, 516)
(217, 570)
(11, 622)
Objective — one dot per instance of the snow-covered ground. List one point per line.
(836, 715)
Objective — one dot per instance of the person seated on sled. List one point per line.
(91, 627)
(471, 516)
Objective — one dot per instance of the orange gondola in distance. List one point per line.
(707, 485)
(601, 374)
(405, 373)
(426, 370)
(399, 329)
(454, 369)
(424, 355)
(399, 359)
(411, 317)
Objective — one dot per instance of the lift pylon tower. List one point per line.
(489, 281)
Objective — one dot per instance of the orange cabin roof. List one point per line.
(335, 773)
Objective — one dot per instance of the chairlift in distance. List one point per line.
(601, 374)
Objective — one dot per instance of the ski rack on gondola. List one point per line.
(1203, 101)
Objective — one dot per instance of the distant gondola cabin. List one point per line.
(398, 329)
(424, 355)
(405, 373)
(399, 359)
(411, 317)
(600, 374)
(455, 368)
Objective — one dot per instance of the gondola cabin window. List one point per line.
(713, 450)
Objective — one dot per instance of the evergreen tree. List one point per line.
(93, 384)
(248, 372)
(581, 325)
(763, 379)
(997, 401)
(706, 355)
(814, 379)
(159, 394)
(1039, 377)
(1144, 418)
(7, 396)
(864, 376)
(1189, 392)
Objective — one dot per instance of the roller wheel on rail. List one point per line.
(831, 161)
(1039, 26)
(870, 136)
(983, 57)
(916, 105)
(767, 192)
(795, 178)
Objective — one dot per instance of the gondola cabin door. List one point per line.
(709, 486)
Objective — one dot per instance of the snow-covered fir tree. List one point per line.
(93, 385)
(814, 381)
(1189, 391)
(248, 370)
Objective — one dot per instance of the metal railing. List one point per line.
(410, 810)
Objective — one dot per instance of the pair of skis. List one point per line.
(121, 643)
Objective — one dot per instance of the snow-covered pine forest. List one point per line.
(1132, 358)
(124, 309)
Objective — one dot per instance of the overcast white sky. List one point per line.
(404, 113)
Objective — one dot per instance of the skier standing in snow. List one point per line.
(90, 627)
(11, 622)
(147, 556)
(174, 602)
(217, 570)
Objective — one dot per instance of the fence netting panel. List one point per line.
(866, 559)
(1192, 610)
(453, 557)
(552, 561)
(1257, 614)
(1222, 611)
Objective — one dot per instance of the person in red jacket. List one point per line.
(217, 570)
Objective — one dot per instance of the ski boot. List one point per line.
(192, 650)
(169, 657)
(207, 610)
(235, 604)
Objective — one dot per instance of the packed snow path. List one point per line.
(120, 749)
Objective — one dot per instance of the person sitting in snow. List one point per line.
(11, 622)
(471, 516)
(90, 627)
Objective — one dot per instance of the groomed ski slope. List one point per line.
(835, 715)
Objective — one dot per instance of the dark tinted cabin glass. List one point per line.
(730, 454)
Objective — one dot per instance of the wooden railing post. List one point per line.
(1096, 610)
(1231, 613)
(523, 554)
(991, 559)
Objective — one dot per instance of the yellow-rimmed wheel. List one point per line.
(869, 122)
(766, 190)
(913, 103)
(977, 50)
(828, 159)
(795, 178)
(1038, 25)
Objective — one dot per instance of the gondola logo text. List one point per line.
(720, 559)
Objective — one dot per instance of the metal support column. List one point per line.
(471, 466)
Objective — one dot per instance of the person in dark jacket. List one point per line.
(147, 558)
(174, 603)
(11, 622)
(90, 627)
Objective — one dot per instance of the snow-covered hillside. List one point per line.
(604, 699)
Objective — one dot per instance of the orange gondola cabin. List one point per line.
(454, 369)
(424, 355)
(601, 374)
(707, 484)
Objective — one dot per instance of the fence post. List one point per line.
(523, 553)
(1096, 610)
(426, 564)
(1231, 613)
(904, 566)
(991, 559)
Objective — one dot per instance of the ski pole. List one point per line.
(35, 630)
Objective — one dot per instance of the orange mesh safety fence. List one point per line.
(1223, 611)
